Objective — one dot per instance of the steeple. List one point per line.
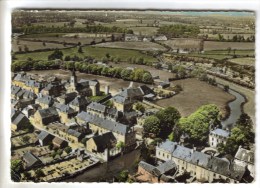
(73, 78)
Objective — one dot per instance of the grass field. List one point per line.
(244, 61)
(182, 43)
(212, 45)
(95, 52)
(34, 45)
(227, 36)
(237, 52)
(195, 94)
(147, 46)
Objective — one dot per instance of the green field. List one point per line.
(95, 52)
(244, 61)
(237, 52)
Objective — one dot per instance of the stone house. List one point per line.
(218, 136)
(65, 112)
(246, 158)
(59, 143)
(66, 98)
(45, 101)
(19, 121)
(79, 104)
(205, 168)
(52, 89)
(160, 174)
(46, 116)
(74, 135)
(131, 37)
(98, 125)
(31, 160)
(45, 138)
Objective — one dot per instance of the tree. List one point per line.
(226, 88)
(197, 124)
(152, 126)
(140, 107)
(126, 74)
(123, 176)
(68, 149)
(80, 50)
(43, 43)
(120, 145)
(168, 117)
(16, 167)
(57, 54)
(26, 49)
(26, 139)
(147, 78)
(83, 141)
(39, 173)
(171, 137)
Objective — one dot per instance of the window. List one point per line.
(168, 156)
(163, 154)
(159, 153)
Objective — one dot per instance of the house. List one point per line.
(30, 110)
(45, 138)
(204, 167)
(65, 112)
(160, 174)
(246, 158)
(131, 37)
(31, 160)
(101, 142)
(46, 116)
(124, 100)
(100, 125)
(74, 135)
(160, 38)
(218, 136)
(52, 89)
(45, 101)
(19, 121)
(94, 85)
(97, 108)
(59, 143)
(66, 98)
(79, 104)
(147, 39)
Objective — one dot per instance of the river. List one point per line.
(235, 108)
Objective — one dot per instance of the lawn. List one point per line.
(95, 52)
(195, 94)
(244, 61)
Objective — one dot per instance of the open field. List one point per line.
(195, 94)
(35, 45)
(212, 45)
(95, 52)
(182, 43)
(244, 61)
(226, 36)
(51, 24)
(147, 46)
(237, 52)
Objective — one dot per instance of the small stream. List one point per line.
(235, 108)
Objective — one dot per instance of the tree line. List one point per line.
(33, 29)
(179, 30)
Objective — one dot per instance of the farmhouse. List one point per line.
(205, 168)
(160, 38)
(218, 136)
(59, 143)
(131, 37)
(164, 85)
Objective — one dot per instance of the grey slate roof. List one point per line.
(30, 159)
(29, 95)
(45, 100)
(43, 135)
(22, 77)
(79, 101)
(88, 82)
(131, 92)
(148, 167)
(200, 159)
(64, 108)
(166, 166)
(15, 89)
(74, 133)
(182, 153)
(245, 155)
(97, 106)
(104, 123)
(19, 118)
(106, 140)
(220, 132)
(168, 146)
(146, 90)
(48, 112)
(121, 99)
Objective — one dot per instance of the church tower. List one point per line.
(73, 79)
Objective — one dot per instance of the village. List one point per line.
(144, 96)
(58, 132)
